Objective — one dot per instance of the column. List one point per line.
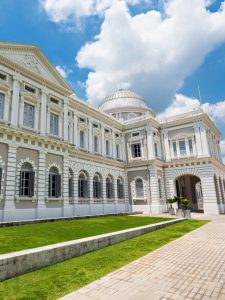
(198, 140)
(150, 143)
(113, 145)
(90, 135)
(48, 121)
(156, 207)
(15, 102)
(187, 147)
(211, 205)
(61, 125)
(205, 146)
(43, 117)
(103, 140)
(123, 147)
(115, 194)
(36, 118)
(41, 188)
(75, 121)
(6, 111)
(65, 120)
(66, 208)
(167, 146)
(21, 110)
(9, 209)
(178, 149)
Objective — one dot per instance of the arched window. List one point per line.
(71, 186)
(120, 188)
(83, 185)
(54, 185)
(160, 188)
(139, 187)
(26, 188)
(109, 187)
(97, 190)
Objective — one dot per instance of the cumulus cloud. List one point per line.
(64, 71)
(68, 11)
(222, 147)
(153, 52)
(182, 104)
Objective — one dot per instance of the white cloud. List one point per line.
(68, 11)
(151, 53)
(222, 147)
(64, 71)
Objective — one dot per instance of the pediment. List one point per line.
(31, 58)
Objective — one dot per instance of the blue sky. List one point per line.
(61, 31)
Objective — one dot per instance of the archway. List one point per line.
(189, 186)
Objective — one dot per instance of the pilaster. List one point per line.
(43, 117)
(15, 101)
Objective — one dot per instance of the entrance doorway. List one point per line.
(189, 186)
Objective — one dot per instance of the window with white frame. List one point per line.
(120, 188)
(27, 176)
(95, 143)
(97, 190)
(28, 115)
(54, 183)
(107, 147)
(109, 188)
(82, 139)
(182, 147)
(117, 151)
(54, 124)
(136, 150)
(174, 149)
(190, 144)
(156, 149)
(139, 188)
(2, 105)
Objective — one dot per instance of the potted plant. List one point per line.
(179, 211)
(170, 202)
(185, 203)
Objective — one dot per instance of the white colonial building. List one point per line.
(60, 157)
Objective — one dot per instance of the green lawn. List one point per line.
(62, 278)
(35, 235)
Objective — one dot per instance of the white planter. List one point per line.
(187, 213)
(179, 212)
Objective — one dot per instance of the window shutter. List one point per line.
(31, 184)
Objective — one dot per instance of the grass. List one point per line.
(62, 278)
(35, 235)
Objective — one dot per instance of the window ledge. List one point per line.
(48, 199)
(28, 128)
(54, 136)
(140, 199)
(32, 199)
(3, 121)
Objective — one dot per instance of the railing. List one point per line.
(194, 112)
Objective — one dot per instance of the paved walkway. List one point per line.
(191, 267)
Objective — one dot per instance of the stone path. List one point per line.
(191, 267)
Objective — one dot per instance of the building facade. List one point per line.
(60, 157)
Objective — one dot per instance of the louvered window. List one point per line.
(54, 124)
(156, 150)
(97, 193)
(82, 139)
(136, 150)
(107, 149)
(117, 151)
(109, 188)
(120, 191)
(2, 105)
(0, 181)
(28, 115)
(82, 186)
(139, 188)
(54, 186)
(27, 176)
(174, 149)
(95, 143)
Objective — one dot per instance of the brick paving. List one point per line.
(191, 267)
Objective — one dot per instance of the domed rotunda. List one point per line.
(125, 105)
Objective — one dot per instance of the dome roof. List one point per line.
(122, 94)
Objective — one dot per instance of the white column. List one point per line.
(48, 121)
(123, 147)
(178, 149)
(90, 136)
(205, 146)
(156, 206)
(103, 140)
(6, 111)
(21, 110)
(150, 142)
(198, 140)
(9, 209)
(60, 125)
(75, 121)
(167, 146)
(67, 208)
(113, 145)
(65, 120)
(41, 188)
(43, 124)
(36, 118)
(15, 102)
